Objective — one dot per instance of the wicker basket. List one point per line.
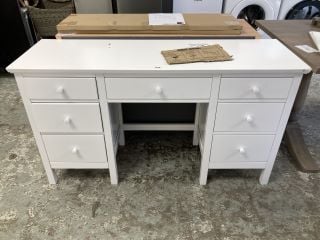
(46, 19)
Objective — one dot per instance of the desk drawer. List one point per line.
(255, 88)
(239, 150)
(61, 88)
(248, 117)
(67, 117)
(158, 88)
(76, 148)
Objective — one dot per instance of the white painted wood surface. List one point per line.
(78, 165)
(158, 88)
(206, 141)
(248, 117)
(195, 139)
(255, 88)
(220, 89)
(67, 117)
(51, 175)
(240, 149)
(121, 126)
(108, 130)
(76, 148)
(61, 88)
(133, 56)
(265, 175)
(158, 127)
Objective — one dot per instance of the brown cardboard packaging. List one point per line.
(211, 22)
(210, 53)
(219, 24)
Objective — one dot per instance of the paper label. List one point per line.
(307, 48)
(158, 19)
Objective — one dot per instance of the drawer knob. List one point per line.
(75, 150)
(60, 89)
(242, 150)
(255, 89)
(67, 119)
(249, 118)
(158, 89)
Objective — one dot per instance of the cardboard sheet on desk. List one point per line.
(116, 23)
(209, 53)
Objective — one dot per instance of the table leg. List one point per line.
(293, 135)
(121, 135)
(196, 127)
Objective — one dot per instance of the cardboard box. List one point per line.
(219, 24)
(211, 22)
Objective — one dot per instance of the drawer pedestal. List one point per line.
(251, 117)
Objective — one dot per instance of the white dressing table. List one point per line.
(73, 89)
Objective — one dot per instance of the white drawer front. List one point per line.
(248, 117)
(255, 88)
(67, 117)
(237, 149)
(158, 88)
(61, 88)
(76, 148)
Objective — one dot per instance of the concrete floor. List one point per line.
(158, 196)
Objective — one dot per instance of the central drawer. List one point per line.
(75, 149)
(248, 117)
(158, 88)
(67, 117)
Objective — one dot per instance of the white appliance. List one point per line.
(197, 6)
(297, 9)
(252, 10)
(93, 6)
